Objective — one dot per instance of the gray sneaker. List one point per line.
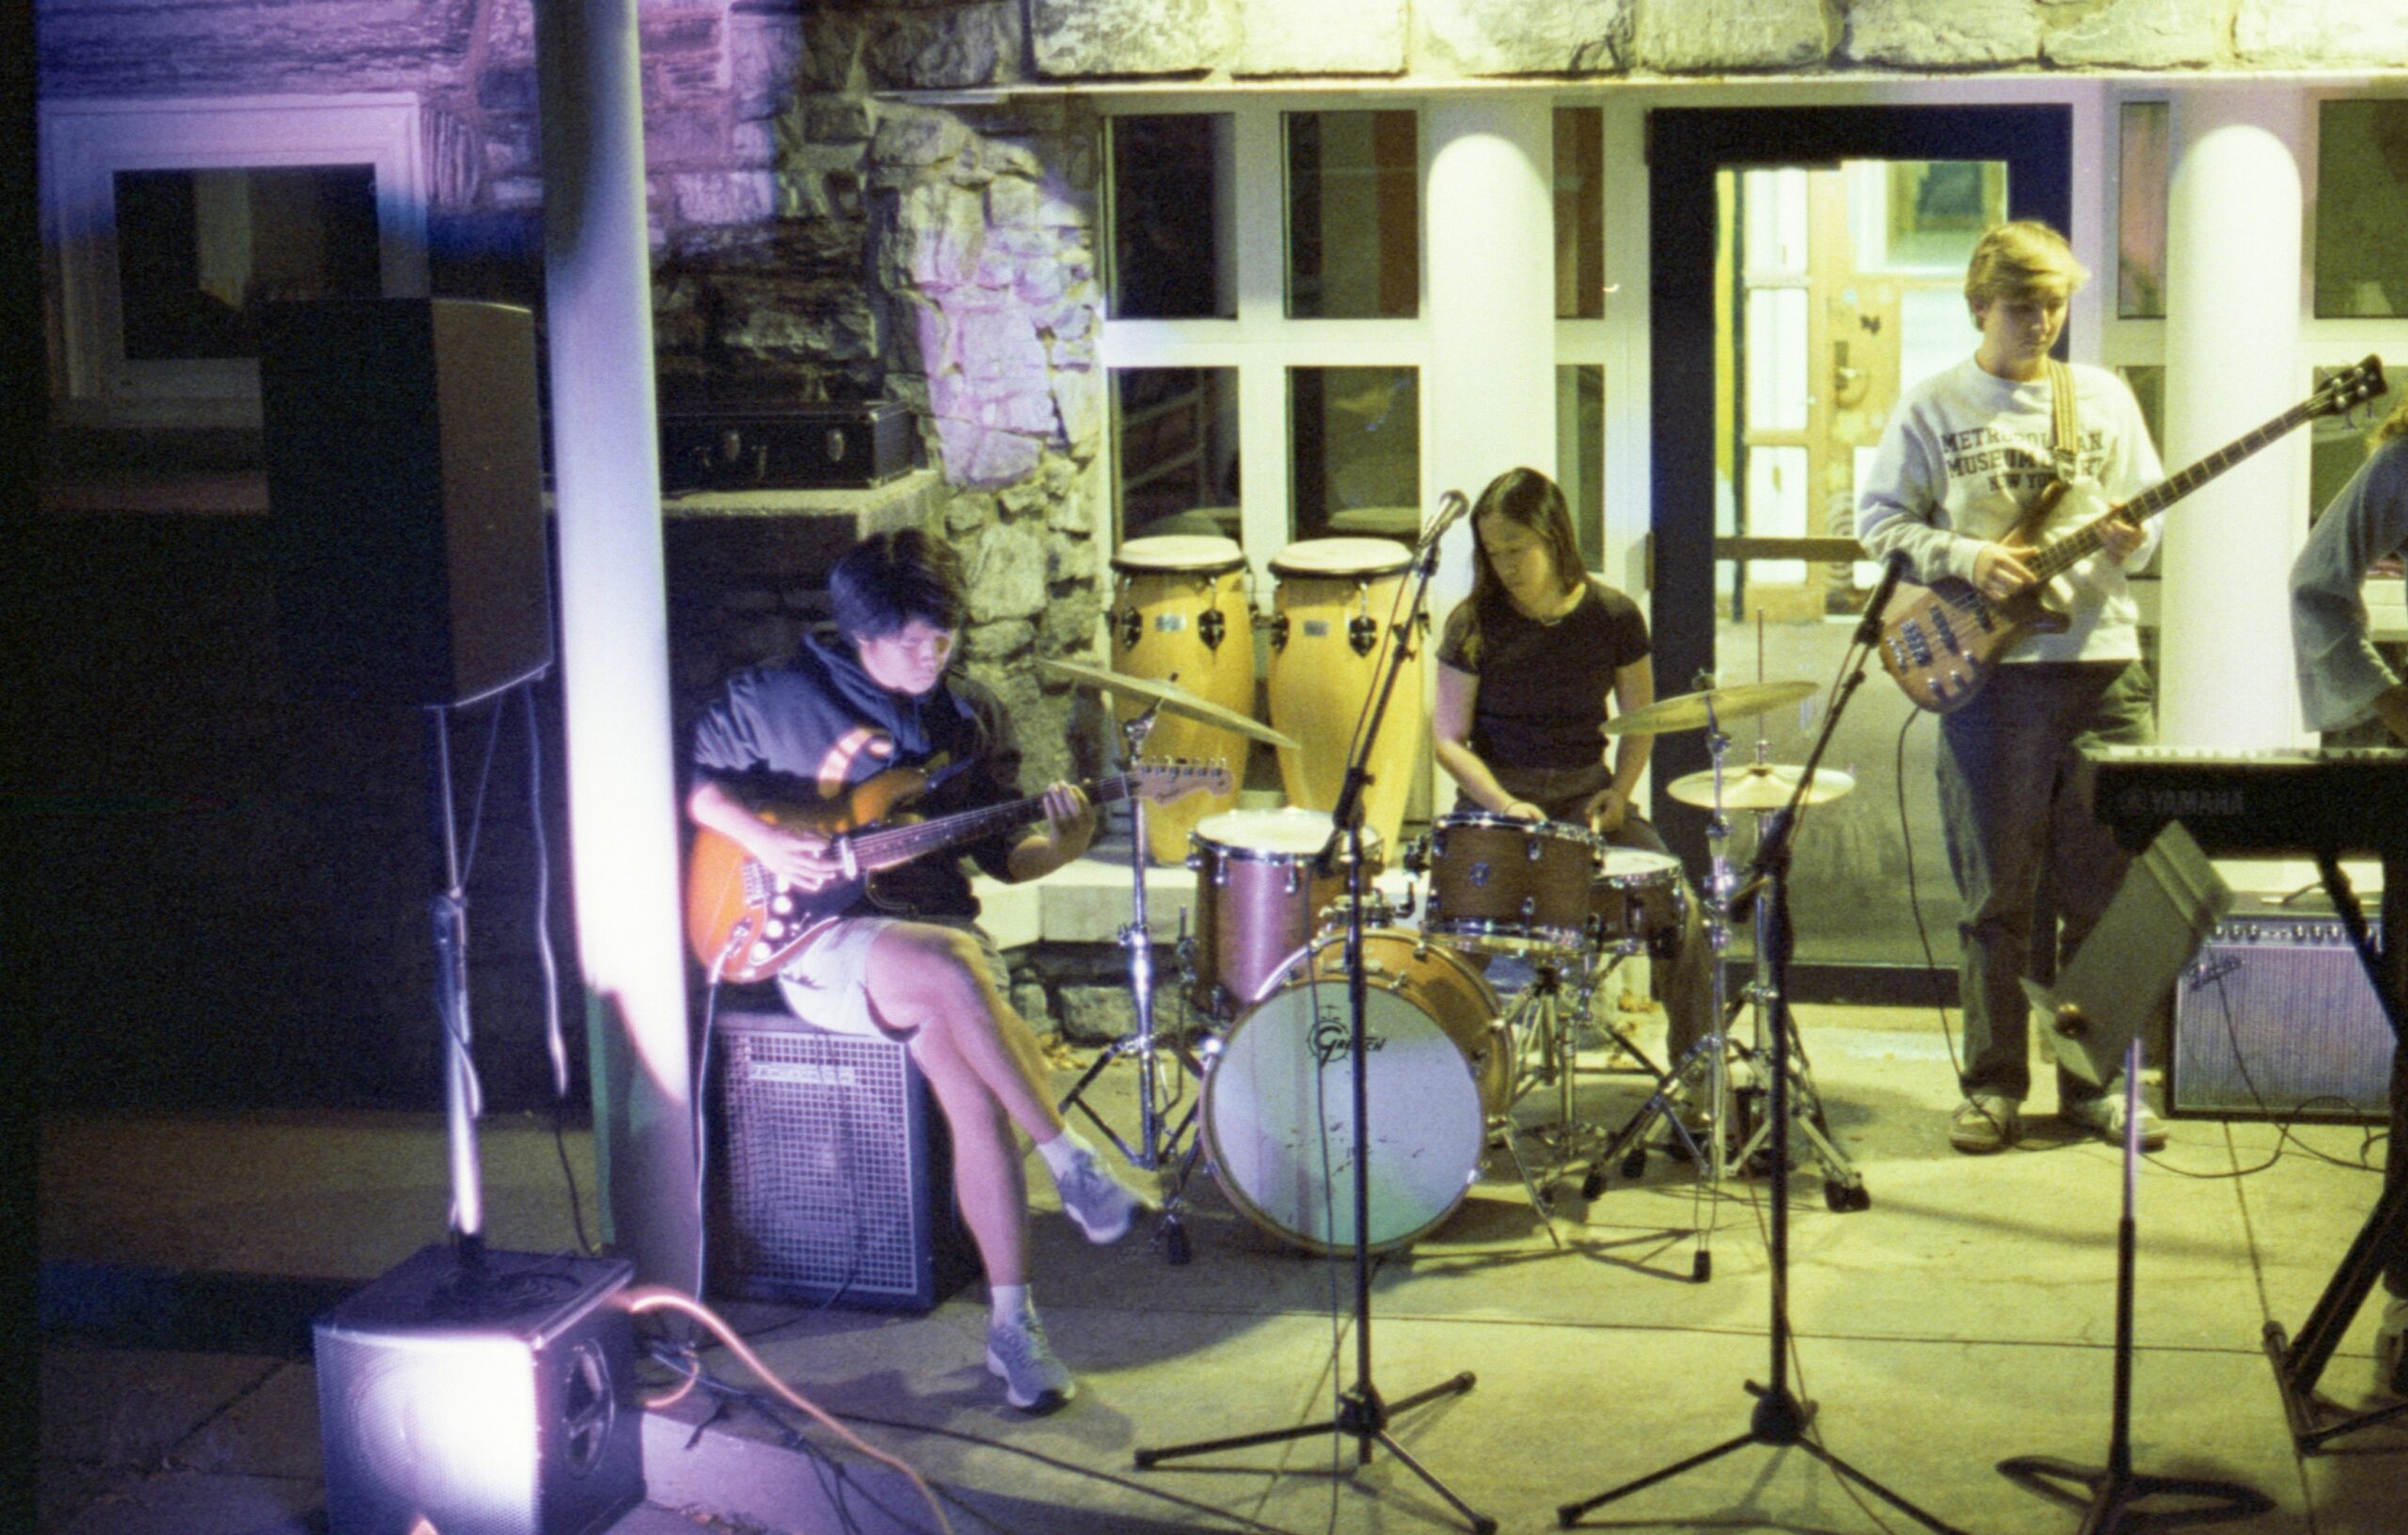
(2391, 1349)
(1096, 1201)
(2104, 1117)
(1986, 1122)
(1033, 1381)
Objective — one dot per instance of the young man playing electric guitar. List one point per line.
(1964, 458)
(902, 958)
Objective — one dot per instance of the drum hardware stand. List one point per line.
(1542, 1017)
(1361, 1413)
(2117, 1490)
(1781, 1419)
(1155, 1150)
(2299, 1364)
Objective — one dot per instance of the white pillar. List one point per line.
(614, 625)
(2232, 362)
(1491, 385)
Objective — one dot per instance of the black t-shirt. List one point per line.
(806, 730)
(1543, 687)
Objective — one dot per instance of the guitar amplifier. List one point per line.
(2277, 1019)
(786, 446)
(831, 1171)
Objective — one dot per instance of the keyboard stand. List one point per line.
(2299, 1363)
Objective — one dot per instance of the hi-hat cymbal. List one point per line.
(1760, 785)
(1688, 711)
(1172, 697)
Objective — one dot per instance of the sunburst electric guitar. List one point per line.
(1943, 642)
(745, 922)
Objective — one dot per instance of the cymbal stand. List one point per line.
(1781, 1419)
(1155, 1150)
(1361, 1413)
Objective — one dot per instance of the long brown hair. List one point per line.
(1526, 496)
(2393, 426)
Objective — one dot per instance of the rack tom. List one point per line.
(1502, 883)
(1636, 901)
(1258, 899)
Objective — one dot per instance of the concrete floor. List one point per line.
(1966, 1317)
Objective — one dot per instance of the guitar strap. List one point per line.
(2064, 444)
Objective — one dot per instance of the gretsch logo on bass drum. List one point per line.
(1332, 1029)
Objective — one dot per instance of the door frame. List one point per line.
(1685, 148)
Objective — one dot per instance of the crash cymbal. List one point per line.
(1688, 711)
(1761, 785)
(1171, 696)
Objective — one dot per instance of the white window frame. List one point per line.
(85, 143)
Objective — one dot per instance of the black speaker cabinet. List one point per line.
(2275, 1019)
(494, 1398)
(832, 1171)
(404, 487)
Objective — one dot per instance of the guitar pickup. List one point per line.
(1947, 632)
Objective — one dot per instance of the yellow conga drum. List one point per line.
(1333, 607)
(1180, 614)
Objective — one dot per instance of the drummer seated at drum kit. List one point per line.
(1530, 667)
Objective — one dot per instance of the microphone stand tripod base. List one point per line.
(2117, 1492)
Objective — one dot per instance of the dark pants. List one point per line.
(1686, 983)
(2020, 818)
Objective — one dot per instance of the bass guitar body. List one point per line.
(1942, 643)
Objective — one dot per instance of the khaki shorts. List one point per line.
(826, 984)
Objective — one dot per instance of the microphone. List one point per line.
(1451, 507)
(1868, 632)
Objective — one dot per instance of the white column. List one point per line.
(2232, 362)
(1491, 386)
(614, 648)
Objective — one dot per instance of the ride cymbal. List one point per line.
(1695, 711)
(1171, 696)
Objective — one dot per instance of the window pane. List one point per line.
(1923, 215)
(1579, 213)
(1175, 435)
(2338, 444)
(1355, 437)
(2361, 208)
(1172, 237)
(1775, 339)
(1580, 454)
(2140, 214)
(2147, 381)
(200, 250)
(1354, 215)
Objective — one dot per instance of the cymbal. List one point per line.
(1760, 785)
(1171, 696)
(1688, 711)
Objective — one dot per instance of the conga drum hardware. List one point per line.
(1174, 600)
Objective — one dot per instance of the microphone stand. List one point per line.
(1781, 1419)
(1361, 1413)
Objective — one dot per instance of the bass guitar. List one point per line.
(745, 922)
(1943, 642)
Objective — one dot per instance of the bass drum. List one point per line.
(1278, 1107)
(1179, 613)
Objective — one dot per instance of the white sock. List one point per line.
(1009, 1304)
(1059, 1151)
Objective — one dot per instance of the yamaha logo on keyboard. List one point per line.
(2180, 804)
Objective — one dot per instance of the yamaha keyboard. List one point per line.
(2237, 802)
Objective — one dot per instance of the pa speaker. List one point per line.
(832, 1171)
(2277, 1021)
(493, 1397)
(404, 483)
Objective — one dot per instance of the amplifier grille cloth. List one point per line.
(2310, 1036)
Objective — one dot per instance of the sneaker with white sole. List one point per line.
(1095, 1201)
(1033, 1381)
(2391, 1349)
(1986, 1122)
(2104, 1118)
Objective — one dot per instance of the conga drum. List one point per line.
(1180, 614)
(1333, 607)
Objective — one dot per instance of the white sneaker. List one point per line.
(2104, 1118)
(1096, 1201)
(1033, 1381)
(2391, 1349)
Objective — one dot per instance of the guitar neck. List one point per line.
(886, 847)
(2084, 542)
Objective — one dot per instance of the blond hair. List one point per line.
(2393, 426)
(2018, 259)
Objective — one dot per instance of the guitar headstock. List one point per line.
(2351, 387)
(1163, 780)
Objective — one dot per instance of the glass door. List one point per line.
(1831, 279)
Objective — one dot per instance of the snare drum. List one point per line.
(1637, 901)
(1331, 615)
(1497, 882)
(1277, 1106)
(1180, 614)
(1258, 900)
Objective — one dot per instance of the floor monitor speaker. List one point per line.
(404, 482)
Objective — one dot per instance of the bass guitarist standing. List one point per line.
(1966, 458)
(906, 962)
